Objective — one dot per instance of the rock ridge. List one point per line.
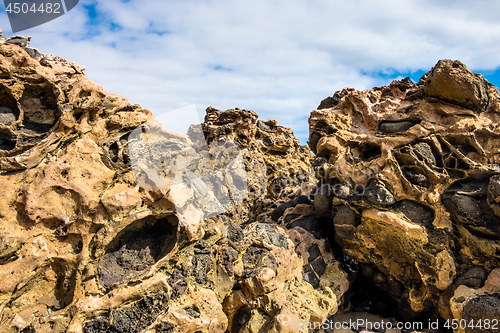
(396, 214)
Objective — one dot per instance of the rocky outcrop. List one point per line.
(477, 298)
(453, 82)
(84, 248)
(109, 223)
(277, 165)
(410, 174)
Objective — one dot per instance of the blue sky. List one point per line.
(278, 58)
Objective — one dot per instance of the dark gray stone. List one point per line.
(201, 262)
(135, 250)
(277, 239)
(241, 317)
(466, 200)
(314, 252)
(318, 265)
(97, 325)
(474, 213)
(263, 126)
(7, 116)
(178, 282)
(415, 212)
(318, 161)
(257, 258)
(312, 224)
(235, 232)
(424, 152)
(280, 210)
(482, 308)
(164, 328)
(17, 40)
(416, 178)
(473, 278)
(290, 217)
(301, 199)
(330, 102)
(323, 200)
(344, 215)
(395, 127)
(377, 193)
(310, 276)
(193, 312)
(131, 319)
(34, 53)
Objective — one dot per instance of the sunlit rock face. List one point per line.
(410, 174)
(85, 247)
(109, 226)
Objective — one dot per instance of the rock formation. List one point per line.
(397, 213)
(411, 172)
(84, 249)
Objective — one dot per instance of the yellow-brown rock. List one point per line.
(452, 81)
(409, 176)
(397, 214)
(84, 248)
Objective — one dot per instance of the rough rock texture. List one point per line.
(453, 82)
(477, 298)
(396, 216)
(412, 172)
(84, 249)
(276, 164)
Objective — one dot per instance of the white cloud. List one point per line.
(281, 57)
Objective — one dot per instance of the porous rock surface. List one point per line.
(84, 249)
(396, 214)
(410, 173)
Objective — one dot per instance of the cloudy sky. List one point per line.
(278, 58)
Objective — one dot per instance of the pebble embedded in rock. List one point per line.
(415, 212)
(396, 127)
(482, 308)
(323, 200)
(7, 116)
(425, 152)
(473, 278)
(377, 193)
(416, 178)
(17, 40)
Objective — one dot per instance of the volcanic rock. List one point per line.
(397, 213)
(85, 248)
(452, 81)
(421, 162)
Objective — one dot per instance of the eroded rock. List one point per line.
(400, 203)
(136, 249)
(85, 248)
(452, 81)
(419, 167)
